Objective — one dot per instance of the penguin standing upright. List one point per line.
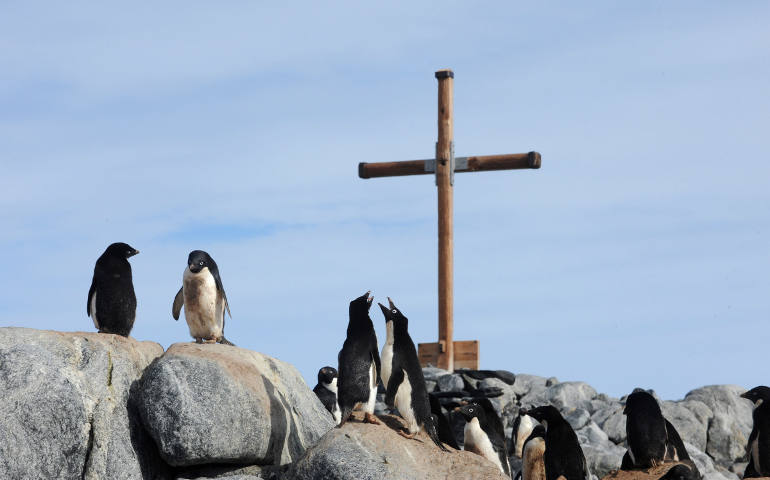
(111, 299)
(484, 434)
(758, 447)
(563, 455)
(645, 431)
(533, 455)
(326, 391)
(359, 363)
(403, 378)
(522, 429)
(204, 299)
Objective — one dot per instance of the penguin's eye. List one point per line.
(470, 410)
(200, 263)
(394, 311)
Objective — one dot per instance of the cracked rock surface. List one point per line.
(64, 406)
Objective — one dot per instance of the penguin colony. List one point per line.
(541, 437)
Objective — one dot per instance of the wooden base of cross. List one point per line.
(446, 353)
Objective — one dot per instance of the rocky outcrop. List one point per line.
(64, 409)
(376, 452)
(208, 404)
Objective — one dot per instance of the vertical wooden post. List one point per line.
(444, 176)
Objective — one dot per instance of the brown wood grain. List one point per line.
(477, 163)
(445, 218)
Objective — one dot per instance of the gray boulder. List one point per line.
(524, 383)
(571, 394)
(376, 452)
(64, 406)
(690, 418)
(216, 403)
(451, 382)
(730, 425)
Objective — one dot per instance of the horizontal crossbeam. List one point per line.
(510, 161)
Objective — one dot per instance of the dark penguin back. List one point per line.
(327, 397)
(114, 288)
(443, 428)
(563, 455)
(675, 449)
(645, 429)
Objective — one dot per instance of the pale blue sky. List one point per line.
(637, 256)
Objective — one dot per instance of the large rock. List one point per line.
(64, 406)
(571, 394)
(730, 425)
(216, 403)
(363, 451)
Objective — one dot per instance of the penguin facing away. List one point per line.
(111, 299)
(484, 433)
(675, 449)
(326, 391)
(442, 424)
(359, 363)
(758, 446)
(204, 299)
(563, 455)
(533, 455)
(402, 376)
(522, 429)
(645, 430)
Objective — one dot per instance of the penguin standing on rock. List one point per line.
(484, 435)
(359, 363)
(758, 446)
(533, 455)
(563, 455)
(442, 424)
(645, 430)
(111, 299)
(402, 376)
(326, 391)
(204, 299)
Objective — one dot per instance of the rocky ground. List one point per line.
(95, 406)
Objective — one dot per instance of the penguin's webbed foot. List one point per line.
(369, 418)
(407, 435)
(198, 340)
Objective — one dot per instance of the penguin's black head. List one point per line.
(327, 374)
(121, 250)
(393, 314)
(471, 411)
(361, 305)
(198, 260)
(543, 414)
(758, 395)
(640, 401)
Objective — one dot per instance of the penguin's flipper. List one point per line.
(750, 471)
(178, 302)
(626, 463)
(220, 287)
(91, 292)
(396, 377)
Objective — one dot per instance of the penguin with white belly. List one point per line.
(484, 435)
(204, 299)
(403, 378)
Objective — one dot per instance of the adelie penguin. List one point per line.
(522, 428)
(645, 431)
(359, 363)
(326, 391)
(563, 455)
(533, 455)
(111, 300)
(402, 376)
(204, 299)
(484, 435)
(758, 447)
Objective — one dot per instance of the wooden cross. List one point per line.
(448, 354)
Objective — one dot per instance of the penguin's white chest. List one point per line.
(386, 360)
(93, 311)
(755, 454)
(332, 387)
(526, 425)
(476, 441)
(203, 305)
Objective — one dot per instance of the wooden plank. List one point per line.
(445, 218)
(466, 354)
(476, 163)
